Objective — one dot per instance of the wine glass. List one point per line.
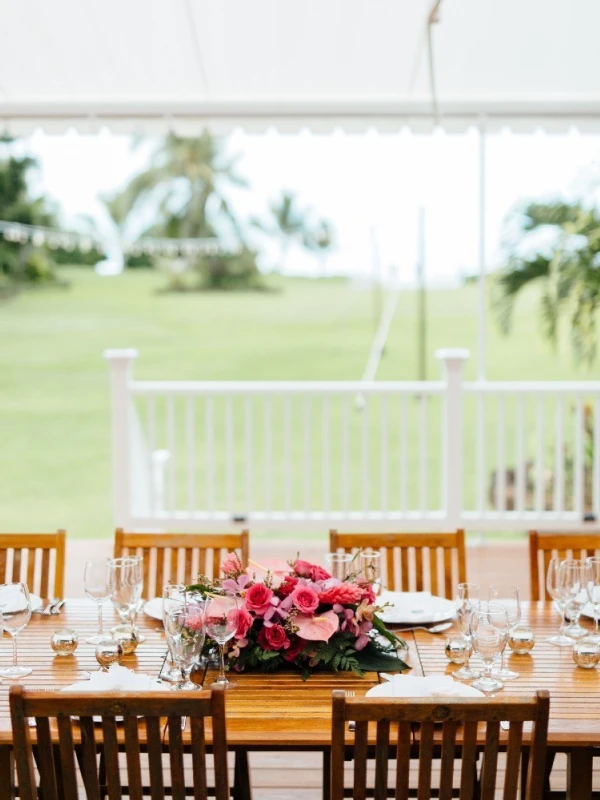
(221, 624)
(96, 582)
(559, 639)
(572, 584)
(338, 564)
(126, 578)
(185, 630)
(172, 598)
(15, 606)
(467, 601)
(369, 568)
(593, 590)
(506, 595)
(489, 629)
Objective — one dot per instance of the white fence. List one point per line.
(381, 455)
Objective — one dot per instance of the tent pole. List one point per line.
(482, 294)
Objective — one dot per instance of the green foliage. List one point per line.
(567, 268)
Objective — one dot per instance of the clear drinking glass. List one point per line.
(369, 568)
(506, 595)
(338, 564)
(573, 576)
(15, 606)
(489, 628)
(593, 590)
(221, 617)
(559, 639)
(96, 582)
(173, 597)
(467, 602)
(185, 631)
(126, 578)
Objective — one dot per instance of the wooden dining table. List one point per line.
(282, 712)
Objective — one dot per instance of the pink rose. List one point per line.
(287, 586)
(343, 593)
(305, 599)
(244, 623)
(313, 571)
(258, 598)
(273, 638)
(295, 649)
(317, 629)
(231, 565)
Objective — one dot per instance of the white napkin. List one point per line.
(430, 686)
(117, 679)
(413, 606)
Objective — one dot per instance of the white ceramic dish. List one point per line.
(435, 686)
(153, 608)
(415, 608)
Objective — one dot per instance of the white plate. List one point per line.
(414, 608)
(153, 608)
(435, 686)
(36, 601)
(588, 611)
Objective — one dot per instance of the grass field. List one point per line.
(54, 398)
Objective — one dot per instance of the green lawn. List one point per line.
(54, 394)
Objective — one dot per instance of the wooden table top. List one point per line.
(281, 709)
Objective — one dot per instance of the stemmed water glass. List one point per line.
(126, 578)
(185, 630)
(593, 590)
(15, 606)
(573, 576)
(172, 598)
(369, 568)
(96, 582)
(339, 564)
(552, 585)
(467, 601)
(489, 629)
(506, 595)
(221, 617)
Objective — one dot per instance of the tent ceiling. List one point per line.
(183, 64)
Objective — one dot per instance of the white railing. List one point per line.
(385, 455)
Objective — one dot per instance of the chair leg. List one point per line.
(242, 789)
(326, 774)
(525, 766)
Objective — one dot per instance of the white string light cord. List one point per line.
(37, 235)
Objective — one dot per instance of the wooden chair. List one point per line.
(179, 557)
(143, 741)
(37, 559)
(545, 546)
(412, 561)
(455, 740)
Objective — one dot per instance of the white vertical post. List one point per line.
(453, 361)
(121, 370)
(482, 294)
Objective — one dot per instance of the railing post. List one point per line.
(452, 469)
(121, 370)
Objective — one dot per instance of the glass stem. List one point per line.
(222, 662)
(14, 638)
(100, 631)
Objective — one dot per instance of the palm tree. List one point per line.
(289, 224)
(558, 246)
(184, 190)
(321, 241)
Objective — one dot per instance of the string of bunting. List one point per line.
(20, 233)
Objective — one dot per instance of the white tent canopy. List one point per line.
(151, 65)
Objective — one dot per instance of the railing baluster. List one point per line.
(326, 451)
(191, 453)
(539, 458)
(287, 444)
(480, 454)
(596, 459)
(345, 453)
(151, 415)
(559, 458)
(229, 455)
(404, 452)
(384, 477)
(268, 444)
(520, 465)
(423, 454)
(209, 437)
(306, 451)
(578, 489)
(249, 456)
(171, 448)
(364, 454)
(500, 499)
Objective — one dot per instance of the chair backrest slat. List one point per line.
(74, 719)
(27, 557)
(417, 558)
(466, 726)
(544, 546)
(169, 557)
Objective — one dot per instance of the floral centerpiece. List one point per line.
(305, 618)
